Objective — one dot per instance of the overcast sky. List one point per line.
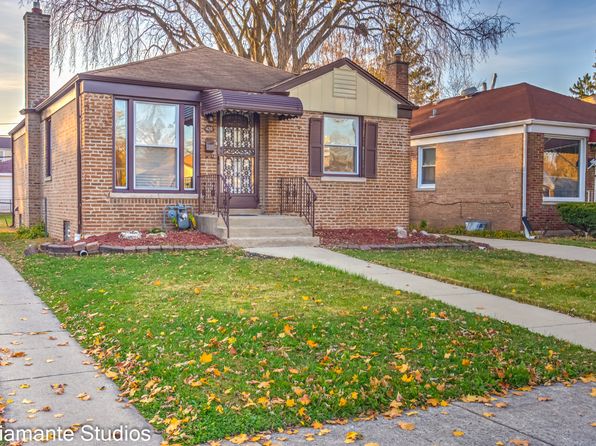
(554, 44)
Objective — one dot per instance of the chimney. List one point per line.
(37, 56)
(397, 74)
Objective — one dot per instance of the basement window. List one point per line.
(427, 160)
(564, 169)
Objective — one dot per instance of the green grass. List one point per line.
(290, 342)
(5, 222)
(583, 242)
(560, 285)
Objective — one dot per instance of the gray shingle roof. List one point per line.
(200, 68)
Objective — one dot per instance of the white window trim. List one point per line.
(582, 172)
(357, 147)
(134, 147)
(429, 186)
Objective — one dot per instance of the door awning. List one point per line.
(274, 104)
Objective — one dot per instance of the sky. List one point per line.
(554, 43)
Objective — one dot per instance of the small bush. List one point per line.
(29, 232)
(579, 215)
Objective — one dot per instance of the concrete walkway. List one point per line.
(36, 354)
(539, 320)
(561, 417)
(542, 249)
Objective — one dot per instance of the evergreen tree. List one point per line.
(585, 85)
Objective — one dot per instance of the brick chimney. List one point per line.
(37, 88)
(37, 56)
(397, 74)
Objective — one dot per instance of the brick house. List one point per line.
(112, 147)
(501, 154)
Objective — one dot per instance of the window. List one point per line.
(427, 158)
(341, 145)
(120, 144)
(189, 144)
(48, 147)
(162, 155)
(564, 169)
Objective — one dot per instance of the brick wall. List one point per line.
(105, 211)
(475, 179)
(545, 215)
(59, 191)
(381, 202)
(37, 58)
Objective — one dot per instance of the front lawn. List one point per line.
(215, 343)
(560, 285)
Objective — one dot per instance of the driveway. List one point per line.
(542, 249)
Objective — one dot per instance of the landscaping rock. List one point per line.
(92, 247)
(401, 232)
(60, 248)
(31, 250)
(111, 249)
(79, 246)
(424, 233)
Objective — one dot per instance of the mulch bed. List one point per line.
(382, 238)
(175, 238)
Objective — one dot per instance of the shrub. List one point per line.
(579, 215)
(29, 232)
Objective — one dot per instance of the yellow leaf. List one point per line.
(112, 375)
(352, 436)
(593, 393)
(502, 405)
(157, 283)
(407, 378)
(311, 343)
(488, 414)
(288, 330)
(197, 290)
(465, 362)
(24, 386)
(317, 425)
(397, 292)
(205, 358)
(83, 396)
(342, 402)
(457, 433)
(290, 402)
(354, 395)
(309, 437)
(406, 426)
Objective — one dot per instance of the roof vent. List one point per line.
(470, 91)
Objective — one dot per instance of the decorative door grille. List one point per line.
(238, 152)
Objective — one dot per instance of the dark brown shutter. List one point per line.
(370, 149)
(315, 147)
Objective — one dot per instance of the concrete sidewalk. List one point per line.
(539, 320)
(561, 417)
(564, 252)
(35, 354)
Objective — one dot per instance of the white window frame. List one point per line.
(420, 185)
(357, 146)
(134, 148)
(582, 171)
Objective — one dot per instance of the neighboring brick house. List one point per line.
(5, 174)
(499, 155)
(112, 147)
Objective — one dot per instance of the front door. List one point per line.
(238, 151)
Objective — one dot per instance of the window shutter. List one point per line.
(315, 147)
(370, 149)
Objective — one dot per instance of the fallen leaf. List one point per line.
(352, 436)
(544, 398)
(517, 442)
(457, 433)
(205, 358)
(501, 404)
(406, 426)
(239, 439)
(488, 414)
(83, 396)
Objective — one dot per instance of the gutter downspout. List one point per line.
(79, 163)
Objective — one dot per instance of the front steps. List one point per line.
(251, 229)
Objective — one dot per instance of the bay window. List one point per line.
(154, 146)
(564, 169)
(341, 141)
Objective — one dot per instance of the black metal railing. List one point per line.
(297, 197)
(214, 196)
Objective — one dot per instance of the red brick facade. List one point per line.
(475, 179)
(380, 202)
(543, 215)
(482, 179)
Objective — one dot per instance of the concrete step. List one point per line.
(254, 242)
(268, 231)
(246, 211)
(266, 220)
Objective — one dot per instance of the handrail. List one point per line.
(214, 195)
(298, 197)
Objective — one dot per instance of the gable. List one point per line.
(345, 91)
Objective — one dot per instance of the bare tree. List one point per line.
(282, 33)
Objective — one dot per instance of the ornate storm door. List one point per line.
(238, 157)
